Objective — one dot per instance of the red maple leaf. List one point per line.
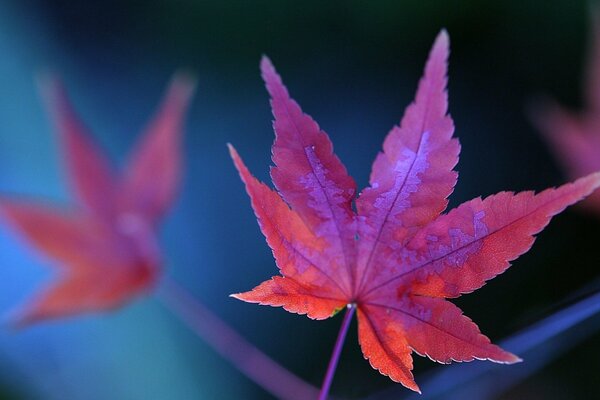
(574, 137)
(393, 257)
(105, 245)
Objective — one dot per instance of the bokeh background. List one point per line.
(353, 66)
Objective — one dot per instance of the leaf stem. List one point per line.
(252, 362)
(337, 350)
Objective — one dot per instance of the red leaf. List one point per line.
(106, 246)
(310, 178)
(396, 258)
(89, 171)
(413, 176)
(574, 138)
(294, 297)
(153, 172)
(298, 251)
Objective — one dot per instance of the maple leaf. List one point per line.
(393, 257)
(574, 138)
(105, 245)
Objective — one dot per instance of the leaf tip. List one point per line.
(232, 152)
(266, 66)
(237, 162)
(180, 91)
(269, 75)
(441, 47)
(54, 96)
(48, 83)
(512, 359)
(414, 387)
(443, 38)
(589, 183)
(238, 296)
(506, 357)
(596, 179)
(442, 41)
(183, 83)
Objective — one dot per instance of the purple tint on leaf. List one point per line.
(308, 159)
(297, 250)
(413, 176)
(397, 258)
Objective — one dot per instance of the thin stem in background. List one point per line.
(337, 350)
(252, 362)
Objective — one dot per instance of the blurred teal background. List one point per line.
(353, 66)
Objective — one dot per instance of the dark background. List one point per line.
(353, 66)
